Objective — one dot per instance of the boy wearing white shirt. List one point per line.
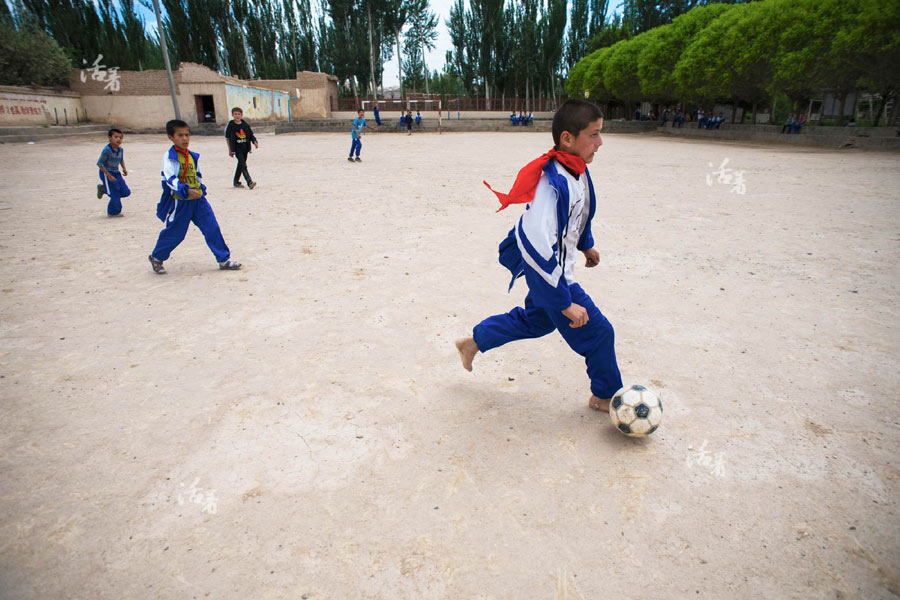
(543, 247)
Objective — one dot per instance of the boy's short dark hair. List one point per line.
(174, 124)
(574, 116)
(237, 109)
(112, 131)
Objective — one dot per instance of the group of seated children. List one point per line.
(407, 120)
(794, 123)
(672, 114)
(521, 118)
(708, 122)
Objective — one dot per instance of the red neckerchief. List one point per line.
(522, 190)
(187, 159)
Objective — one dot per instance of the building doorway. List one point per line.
(206, 109)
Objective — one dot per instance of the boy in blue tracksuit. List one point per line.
(112, 182)
(543, 246)
(359, 123)
(184, 201)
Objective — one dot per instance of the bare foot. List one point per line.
(601, 404)
(467, 350)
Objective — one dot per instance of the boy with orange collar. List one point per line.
(542, 247)
(183, 201)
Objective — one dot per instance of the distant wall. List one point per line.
(123, 83)
(141, 99)
(312, 104)
(132, 112)
(258, 104)
(312, 95)
(187, 102)
(21, 105)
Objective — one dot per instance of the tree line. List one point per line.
(500, 47)
(752, 54)
(40, 40)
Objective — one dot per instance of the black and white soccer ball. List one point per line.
(635, 411)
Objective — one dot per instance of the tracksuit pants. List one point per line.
(356, 146)
(183, 214)
(116, 190)
(241, 167)
(593, 340)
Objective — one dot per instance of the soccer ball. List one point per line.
(635, 411)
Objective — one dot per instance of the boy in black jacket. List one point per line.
(239, 136)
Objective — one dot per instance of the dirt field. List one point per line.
(303, 427)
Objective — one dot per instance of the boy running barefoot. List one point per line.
(543, 245)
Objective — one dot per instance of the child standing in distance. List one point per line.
(542, 247)
(112, 183)
(409, 120)
(239, 136)
(356, 134)
(184, 201)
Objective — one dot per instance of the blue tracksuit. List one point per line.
(355, 134)
(178, 212)
(542, 247)
(118, 189)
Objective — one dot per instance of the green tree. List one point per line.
(612, 32)
(577, 40)
(663, 49)
(30, 56)
(598, 17)
(307, 51)
(620, 71)
(553, 26)
(527, 35)
(485, 19)
(347, 42)
(447, 84)
(840, 68)
(421, 35)
(74, 24)
(799, 48)
(872, 38)
(575, 84)
(731, 57)
(593, 81)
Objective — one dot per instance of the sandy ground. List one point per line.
(303, 426)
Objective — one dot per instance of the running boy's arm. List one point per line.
(228, 138)
(586, 241)
(202, 191)
(105, 172)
